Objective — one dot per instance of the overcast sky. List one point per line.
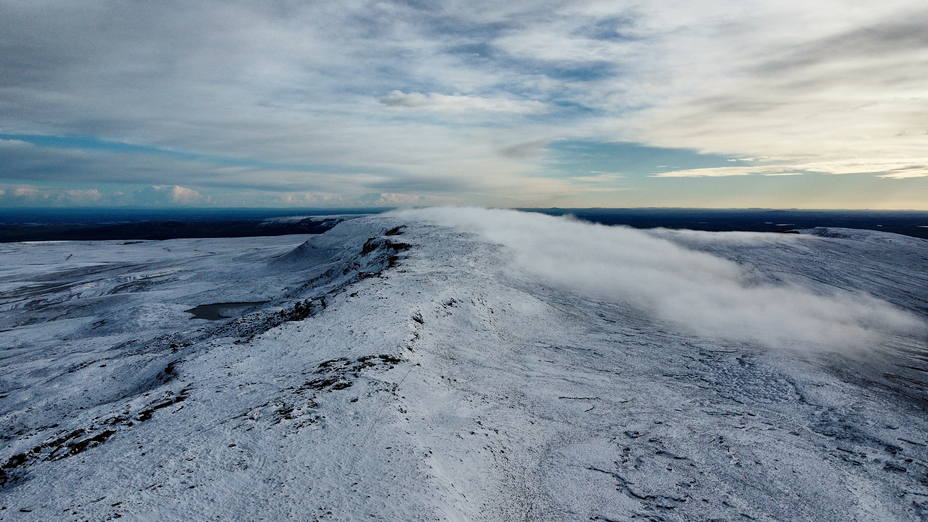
(694, 103)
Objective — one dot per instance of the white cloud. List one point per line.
(27, 192)
(310, 199)
(598, 178)
(892, 169)
(170, 195)
(81, 197)
(184, 196)
(906, 172)
(460, 103)
(699, 292)
(721, 172)
(30, 195)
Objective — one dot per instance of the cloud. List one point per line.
(475, 91)
(598, 178)
(443, 102)
(168, 195)
(525, 149)
(29, 195)
(184, 196)
(906, 172)
(81, 196)
(891, 169)
(392, 199)
(701, 293)
(310, 199)
(839, 84)
(27, 192)
(722, 172)
(13, 144)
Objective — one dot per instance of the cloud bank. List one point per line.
(701, 293)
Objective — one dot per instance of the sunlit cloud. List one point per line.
(890, 168)
(845, 89)
(596, 177)
(907, 172)
(721, 172)
(81, 197)
(170, 195)
(184, 196)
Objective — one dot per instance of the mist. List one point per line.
(701, 293)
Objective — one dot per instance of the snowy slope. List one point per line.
(467, 365)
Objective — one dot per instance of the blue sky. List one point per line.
(544, 103)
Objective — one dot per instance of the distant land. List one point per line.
(158, 224)
(906, 222)
(43, 224)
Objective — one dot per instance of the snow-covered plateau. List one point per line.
(466, 364)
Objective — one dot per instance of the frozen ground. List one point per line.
(467, 365)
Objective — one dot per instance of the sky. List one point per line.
(700, 103)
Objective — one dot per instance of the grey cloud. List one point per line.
(425, 185)
(611, 28)
(525, 149)
(30, 162)
(90, 169)
(888, 38)
(211, 77)
(820, 95)
(738, 102)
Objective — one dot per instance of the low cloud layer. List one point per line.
(701, 293)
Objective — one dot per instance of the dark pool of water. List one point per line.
(218, 311)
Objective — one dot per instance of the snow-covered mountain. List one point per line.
(466, 364)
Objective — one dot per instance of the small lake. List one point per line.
(218, 311)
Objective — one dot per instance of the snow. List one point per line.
(434, 366)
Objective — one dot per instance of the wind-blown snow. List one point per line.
(402, 369)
